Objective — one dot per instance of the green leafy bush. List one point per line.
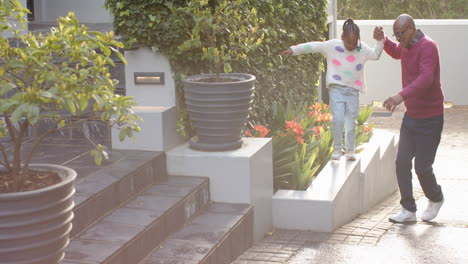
(61, 77)
(164, 25)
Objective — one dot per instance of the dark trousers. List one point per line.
(419, 139)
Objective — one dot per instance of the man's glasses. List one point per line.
(401, 33)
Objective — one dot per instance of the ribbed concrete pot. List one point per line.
(218, 110)
(35, 225)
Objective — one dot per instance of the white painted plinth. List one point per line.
(244, 175)
(145, 60)
(158, 131)
(342, 190)
(378, 168)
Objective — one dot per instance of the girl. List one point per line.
(346, 58)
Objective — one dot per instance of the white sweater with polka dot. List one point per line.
(343, 67)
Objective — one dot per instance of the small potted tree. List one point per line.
(61, 77)
(218, 103)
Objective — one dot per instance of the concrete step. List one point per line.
(129, 233)
(217, 236)
(102, 190)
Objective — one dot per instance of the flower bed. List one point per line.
(302, 142)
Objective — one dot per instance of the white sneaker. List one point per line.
(432, 210)
(336, 155)
(350, 155)
(404, 216)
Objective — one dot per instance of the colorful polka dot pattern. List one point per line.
(347, 74)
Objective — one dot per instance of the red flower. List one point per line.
(366, 129)
(326, 117)
(247, 133)
(296, 128)
(312, 113)
(262, 129)
(316, 130)
(317, 107)
(300, 140)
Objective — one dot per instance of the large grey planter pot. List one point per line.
(218, 111)
(35, 225)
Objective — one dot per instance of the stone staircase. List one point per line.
(132, 212)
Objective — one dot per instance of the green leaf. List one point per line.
(6, 87)
(83, 103)
(33, 112)
(6, 104)
(46, 94)
(18, 113)
(70, 105)
(227, 67)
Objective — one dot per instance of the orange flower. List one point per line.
(262, 129)
(326, 117)
(312, 113)
(317, 106)
(300, 140)
(295, 127)
(247, 133)
(366, 129)
(316, 130)
(325, 107)
(319, 118)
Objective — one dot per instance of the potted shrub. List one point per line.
(218, 103)
(62, 78)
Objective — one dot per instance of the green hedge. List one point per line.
(157, 24)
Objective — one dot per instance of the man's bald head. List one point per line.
(403, 20)
(404, 29)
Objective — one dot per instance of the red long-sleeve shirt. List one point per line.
(420, 71)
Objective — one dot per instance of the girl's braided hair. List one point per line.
(350, 27)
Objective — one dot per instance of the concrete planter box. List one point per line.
(342, 190)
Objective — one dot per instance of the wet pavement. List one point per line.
(370, 238)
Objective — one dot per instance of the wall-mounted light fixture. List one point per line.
(149, 77)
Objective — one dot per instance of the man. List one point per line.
(423, 121)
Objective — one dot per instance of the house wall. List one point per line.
(87, 11)
(384, 76)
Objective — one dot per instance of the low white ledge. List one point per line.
(342, 190)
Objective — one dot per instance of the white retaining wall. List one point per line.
(342, 190)
(384, 76)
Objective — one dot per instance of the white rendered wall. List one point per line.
(244, 176)
(145, 60)
(87, 11)
(384, 76)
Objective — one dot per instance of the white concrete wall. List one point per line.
(145, 60)
(384, 76)
(87, 11)
(342, 190)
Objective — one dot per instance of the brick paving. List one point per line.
(368, 229)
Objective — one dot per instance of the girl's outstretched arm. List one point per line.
(309, 47)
